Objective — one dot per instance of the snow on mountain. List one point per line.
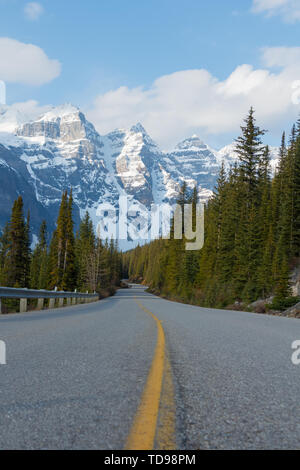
(274, 155)
(10, 119)
(229, 156)
(196, 163)
(40, 156)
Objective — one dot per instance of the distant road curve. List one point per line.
(137, 371)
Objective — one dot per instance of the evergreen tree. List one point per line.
(4, 248)
(62, 273)
(84, 248)
(250, 149)
(296, 201)
(69, 277)
(15, 270)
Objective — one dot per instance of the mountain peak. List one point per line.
(66, 123)
(60, 112)
(146, 139)
(193, 142)
(138, 127)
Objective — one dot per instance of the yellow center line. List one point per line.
(143, 431)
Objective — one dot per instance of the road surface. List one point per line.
(136, 371)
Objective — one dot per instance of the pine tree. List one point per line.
(253, 171)
(296, 201)
(175, 261)
(84, 249)
(27, 251)
(69, 277)
(16, 263)
(62, 264)
(4, 248)
(250, 149)
(283, 289)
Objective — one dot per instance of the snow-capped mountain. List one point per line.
(229, 156)
(43, 155)
(195, 163)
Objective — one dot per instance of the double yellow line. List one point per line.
(154, 423)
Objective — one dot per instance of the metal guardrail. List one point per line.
(12, 293)
(41, 295)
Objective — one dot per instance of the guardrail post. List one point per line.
(42, 295)
(52, 299)
(23, 305)
(74, 299)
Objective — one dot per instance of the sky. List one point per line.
(178, 67)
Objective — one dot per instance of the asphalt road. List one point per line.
(85, 377)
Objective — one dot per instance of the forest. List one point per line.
(252, 233)
(64, 260)
(251, 243)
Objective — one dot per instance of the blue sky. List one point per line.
(109, 55)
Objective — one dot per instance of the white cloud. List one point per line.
(281, 56)
(31, 109)
(18, 113)
(185, 102)
(33, 11)
(26, 63)
(288, 9)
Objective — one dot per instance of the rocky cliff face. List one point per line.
(194, 162)
(41, 157)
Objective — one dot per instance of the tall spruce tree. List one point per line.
(4, 248)
(62, 265)
(16, 264)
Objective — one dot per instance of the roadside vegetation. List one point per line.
(62, 260)
(252, 234)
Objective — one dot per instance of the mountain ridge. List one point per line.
(60, 149)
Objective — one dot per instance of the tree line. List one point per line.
(252, 232)
(69, 261)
